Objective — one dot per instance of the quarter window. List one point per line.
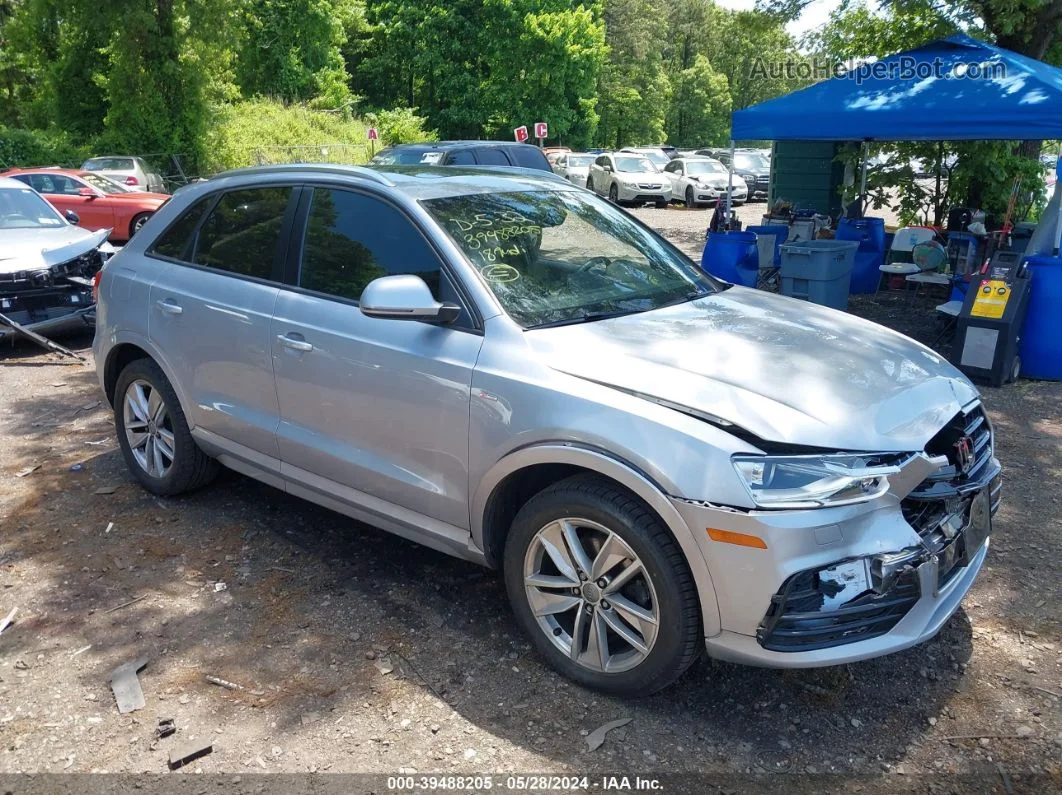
(461, 157)
(242, 232)
(177, 241)
(352, 239)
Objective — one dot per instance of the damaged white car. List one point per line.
(47, 263)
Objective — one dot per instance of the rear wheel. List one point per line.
(602, 589)
(661, 204)
(138, 221)
(153, 434)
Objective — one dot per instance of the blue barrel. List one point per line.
(870, 234)
(732, 256)
(1041, 337)
(780, 233)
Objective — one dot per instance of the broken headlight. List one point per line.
(814, 481)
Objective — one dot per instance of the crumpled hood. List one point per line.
(785, 370)
(36, 249)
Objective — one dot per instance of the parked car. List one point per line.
(46, 262)
(133, 172)
(513, 371)
(100, 203)
(553, 152)
(628, 178)
(573, 166)
(654, 153)
(749, 165)
(700, 180)
(465, 153)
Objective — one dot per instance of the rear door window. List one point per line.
(242, 233)
(492, 156)
(461, 157)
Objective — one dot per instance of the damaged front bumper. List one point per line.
(847, 583)
(54, 299)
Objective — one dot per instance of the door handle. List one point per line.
(294, 344)
(169, 306)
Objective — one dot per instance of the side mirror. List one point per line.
(405, 297)
(72, 217)
(88, 193)
(607, 167)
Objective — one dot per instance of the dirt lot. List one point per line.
(356, 651)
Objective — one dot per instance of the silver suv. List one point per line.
(510, 369)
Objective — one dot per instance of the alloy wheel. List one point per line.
(591, 595)
(148, 428)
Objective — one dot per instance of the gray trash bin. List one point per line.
(819, 271)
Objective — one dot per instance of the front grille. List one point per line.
(939, 508)
(797, 620)
(649, 186)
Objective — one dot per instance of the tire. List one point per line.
(138, 221)
(663, 588)
(661, 204)
(590, 183)
(189, 467)
(690, 201)
(613, 193)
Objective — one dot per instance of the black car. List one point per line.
(464, 153)
(752, 167)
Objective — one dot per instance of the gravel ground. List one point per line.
(355, 651)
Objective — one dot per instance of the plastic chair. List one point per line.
(900, 259)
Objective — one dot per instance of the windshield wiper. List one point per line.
(588, 317)
(693, 295)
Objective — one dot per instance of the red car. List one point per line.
(99, 203)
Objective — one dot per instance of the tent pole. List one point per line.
(863, 180)
(729, 185)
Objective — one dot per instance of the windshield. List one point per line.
(22, 208)
(558, 257)
(657, 156)
(104, 184)
(635, 164)
(406, 157)
(110, 164)
(746, 160)
(698, 167)
(579, 161)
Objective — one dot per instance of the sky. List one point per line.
(815, 15)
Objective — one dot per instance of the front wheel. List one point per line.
(613, 193)
(691, 200)
(589, 183)
(602, 589)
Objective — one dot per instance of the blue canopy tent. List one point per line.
(951, 89)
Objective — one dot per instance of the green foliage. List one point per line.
(291, 50)
(401, 126)
(699, 113)
(265, 131)
(33, 148)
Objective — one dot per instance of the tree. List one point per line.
(699, 112)
(634, 88)
(292, 51)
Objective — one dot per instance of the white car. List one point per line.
(698, 180)
(628, 178)
(132, 172)
(573, 166)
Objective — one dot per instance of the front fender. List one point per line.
(628, 477)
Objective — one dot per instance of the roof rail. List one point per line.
(331, 168)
